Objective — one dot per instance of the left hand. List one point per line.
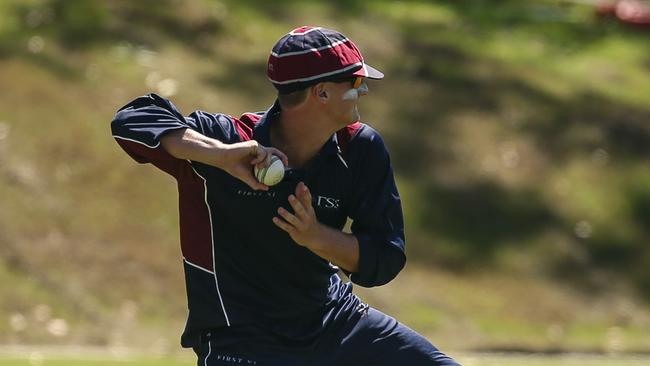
(302, 225)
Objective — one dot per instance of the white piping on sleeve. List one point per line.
(136, 141)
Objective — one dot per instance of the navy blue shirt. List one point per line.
(239, 267)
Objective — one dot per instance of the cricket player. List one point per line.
(261, 263)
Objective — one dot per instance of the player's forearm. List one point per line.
(341, 249)
(190, 145)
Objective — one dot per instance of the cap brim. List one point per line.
(369, 72)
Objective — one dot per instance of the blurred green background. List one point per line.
(519, 132)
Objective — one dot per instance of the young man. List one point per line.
(261, 262)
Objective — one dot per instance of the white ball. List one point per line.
(272, 174)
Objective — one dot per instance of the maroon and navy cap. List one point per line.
(308, 55)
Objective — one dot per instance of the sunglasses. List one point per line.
(356, 81)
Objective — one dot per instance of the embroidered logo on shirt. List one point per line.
(328, 202)
(235, 360)
(246, 193)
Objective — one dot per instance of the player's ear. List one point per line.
(320, 92)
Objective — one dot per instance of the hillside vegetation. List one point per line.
(519, 131)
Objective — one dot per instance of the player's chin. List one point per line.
(356, 116)
(352, 115)
(349, 117)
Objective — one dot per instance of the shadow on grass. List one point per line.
(79, 25)
(483, 217)
(245, 78)
(480, 217)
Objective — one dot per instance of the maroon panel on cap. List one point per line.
(308, 55)
(315, 64)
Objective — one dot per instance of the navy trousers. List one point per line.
(355, 334)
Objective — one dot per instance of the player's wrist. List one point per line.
(319, 241)
(221, 154)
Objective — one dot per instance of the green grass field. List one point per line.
(523, 171)
(466, 359)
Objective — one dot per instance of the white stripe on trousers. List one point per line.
(205, 361)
